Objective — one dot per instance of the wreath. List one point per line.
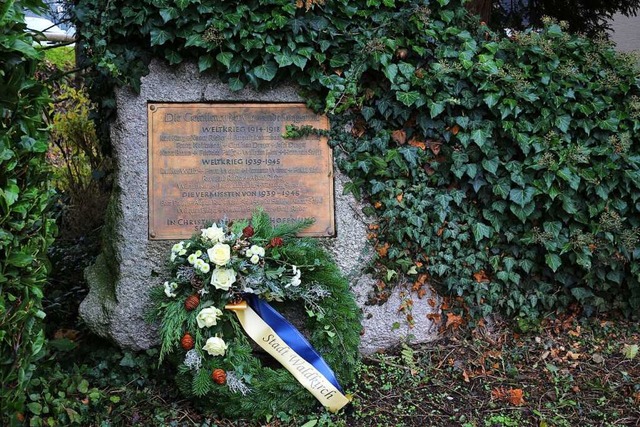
(225, 263)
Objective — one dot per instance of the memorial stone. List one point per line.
(149, 208)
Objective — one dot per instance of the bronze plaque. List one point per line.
(213, 161)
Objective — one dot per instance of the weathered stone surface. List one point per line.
(384, 326)
(131, 264)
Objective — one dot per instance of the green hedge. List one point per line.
(25, 229)
(506, 170)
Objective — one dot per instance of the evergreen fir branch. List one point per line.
(290, 229)
(170, 330)
(202, 382)
(261, 224)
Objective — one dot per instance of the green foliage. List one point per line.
(63, 57)
(524, 168)
(504, 168)
(25, 230)
(75, 151)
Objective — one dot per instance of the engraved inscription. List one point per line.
(211, 161)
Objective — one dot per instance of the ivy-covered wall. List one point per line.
(504, 170)
(25, 228)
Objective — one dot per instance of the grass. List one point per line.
(63, 57)
(567, 371)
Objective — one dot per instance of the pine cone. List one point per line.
(187, 341)
(197, 283)
(192, 302)
(219, 376)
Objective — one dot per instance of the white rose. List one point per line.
(219, 254)
(213, 234)
(169, 288)
(208, 317)
(223, 278)
(215, 346)
(255, 259)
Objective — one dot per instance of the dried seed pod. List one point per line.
(192, 302)
(187, 342)
(219, 376)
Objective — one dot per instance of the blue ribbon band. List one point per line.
(292, 337)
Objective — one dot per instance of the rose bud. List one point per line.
(247, 231)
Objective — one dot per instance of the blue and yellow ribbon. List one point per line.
(287, 345)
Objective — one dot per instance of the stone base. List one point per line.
(131, 264)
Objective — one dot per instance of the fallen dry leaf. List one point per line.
(434, 317)
(453, 320)
(511, 395)
(399, 136)
(572, 355)
(419, 144)
(481, 277)
(382, 250)
(434, 146)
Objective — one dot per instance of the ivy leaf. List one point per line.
(339, 61)
(168, 14)
(408, 98)
(297, 25)
(479, 136)
(225, 58)
(436, 108)
(266, 71)
(481, 231)
(205, 62)
(182, 4)
(491, 99)
(563, 122)
(368, 113)
(406, 69)
(10, 193)
(284, 58)
(173, 57)
(235, 84)
(610, 124)
(160, 37)
(553, 261)
(568, 204)
(299, 61)
(391, 71)
(491, 165)
(411, 155)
